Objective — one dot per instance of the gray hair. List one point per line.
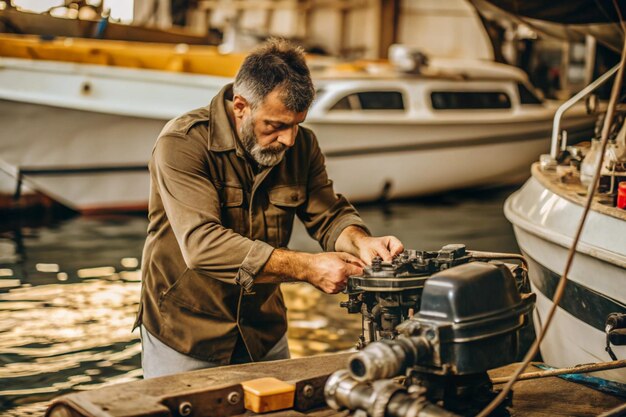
(276, 64)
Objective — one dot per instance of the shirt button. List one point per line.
(294, 197)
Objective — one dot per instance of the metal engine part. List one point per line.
(387, 359)
(615, 329)
(381, 398)
(389, 293)
(468, 322)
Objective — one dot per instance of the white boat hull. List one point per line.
(93, 161)
(63, 144)
(85, 132)
(544, 225)
(88, 148)
(432, 158)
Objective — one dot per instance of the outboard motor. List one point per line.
(389, 293)
(468, 322)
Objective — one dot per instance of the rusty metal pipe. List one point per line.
(490, 256)
(593, 367)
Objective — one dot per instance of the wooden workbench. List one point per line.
(206, 391)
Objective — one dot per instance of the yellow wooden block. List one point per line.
(268, 394)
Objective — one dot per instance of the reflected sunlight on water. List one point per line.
(316, 322)
(69, 292)
(67, 327)
(63, 337)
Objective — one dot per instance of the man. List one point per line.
(226, 183)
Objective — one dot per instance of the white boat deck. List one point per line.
(575, 192)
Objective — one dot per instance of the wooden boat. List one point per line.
(83, 114)
(45, 25)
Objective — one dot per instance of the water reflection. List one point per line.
(62, 337)
(69, 292)
(67, 327)
(316, 322)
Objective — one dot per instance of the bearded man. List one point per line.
(226, 183)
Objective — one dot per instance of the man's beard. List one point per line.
(269, 155)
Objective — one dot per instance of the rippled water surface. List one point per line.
(69, 291)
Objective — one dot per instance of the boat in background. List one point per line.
(546, 213)
(47, 26)
(81, 117)
(450, 124)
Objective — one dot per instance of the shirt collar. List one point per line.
(222, 137)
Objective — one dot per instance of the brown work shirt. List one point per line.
(213, 224)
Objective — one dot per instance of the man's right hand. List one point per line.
(329, 271)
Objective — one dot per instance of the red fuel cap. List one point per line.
(621, 195)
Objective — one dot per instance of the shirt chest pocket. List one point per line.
(233, 209)
(283, 202)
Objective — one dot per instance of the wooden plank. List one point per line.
(146, 397)
(544, 397)
(283, 4)
(532, 398)
(554, 396)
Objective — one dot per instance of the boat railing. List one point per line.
(556, 125)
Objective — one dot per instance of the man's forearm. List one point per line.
(285, 266)
(326, 271)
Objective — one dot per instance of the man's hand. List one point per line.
(330, 271)
(356, 241)
(385, 246)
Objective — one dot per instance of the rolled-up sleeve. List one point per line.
(192, 206)
(325, 214)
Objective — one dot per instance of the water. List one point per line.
(65, 326)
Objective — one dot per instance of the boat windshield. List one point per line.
(371, 100)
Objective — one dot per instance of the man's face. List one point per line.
(267, 131)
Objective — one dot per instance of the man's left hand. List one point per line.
(356, 241)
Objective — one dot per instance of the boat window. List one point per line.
(526, 96)
(381, 100)
(371, 100)
(343, 104)
(456, 100)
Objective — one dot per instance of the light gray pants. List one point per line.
(158, 359)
